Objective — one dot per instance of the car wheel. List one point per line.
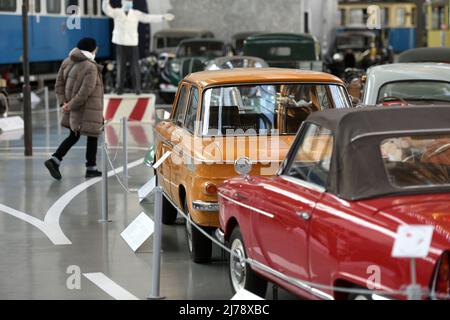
(241, 274)
(169, 212)
(200, 247)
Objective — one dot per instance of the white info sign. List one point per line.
(138, 231)
(147, 189)
(412, 241)
(244, 295)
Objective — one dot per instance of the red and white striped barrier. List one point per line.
(135, 108)
(139, 134)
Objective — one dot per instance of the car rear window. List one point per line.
(417, 161)
(416, 91)
(266, 109)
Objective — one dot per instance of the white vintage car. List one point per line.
(407, 83)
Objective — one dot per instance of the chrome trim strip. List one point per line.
(199, 205)
(398, 132)
(294, 282)
(266, 214)
(303, 183)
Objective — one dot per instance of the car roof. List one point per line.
(405, 71)
(194, 40)
(426, 55)
(379, 75)
(281, 36)
(259, 75)
(176, 32)
(357, 168)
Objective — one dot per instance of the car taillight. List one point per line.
(442, 278)
(210, 188)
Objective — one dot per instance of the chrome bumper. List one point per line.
(205, 206)
(220, 236)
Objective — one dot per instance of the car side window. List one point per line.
(192, 108)
(181, 107)
(313, 154)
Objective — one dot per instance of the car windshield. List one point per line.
(200, 49)
(353, 42)
(429, 91)
(266, 109)
(173, 42)
(417, 161)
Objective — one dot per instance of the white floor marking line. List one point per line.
(53, 232)
(50, 226)
(109, 286)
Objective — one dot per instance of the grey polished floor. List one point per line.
(32, 267)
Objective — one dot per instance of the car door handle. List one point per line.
(304, 215)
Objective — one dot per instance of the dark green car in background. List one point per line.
(286, 50)
(192, 56)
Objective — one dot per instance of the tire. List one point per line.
(169, 213)
(354, 297)
(200, 247)
(359, 296)
(240, 273)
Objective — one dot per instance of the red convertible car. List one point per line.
(331, 215)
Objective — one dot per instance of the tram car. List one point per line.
(53, 30)
(438, 23)
(398, 20)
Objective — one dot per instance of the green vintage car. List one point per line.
(286, 50)
(192, 56)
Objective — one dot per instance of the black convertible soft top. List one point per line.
(357, 168)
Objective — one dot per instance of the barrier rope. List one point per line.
(296, 282)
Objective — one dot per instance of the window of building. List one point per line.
(37, 6)
(54, 6)
(438, 17)
(400, 17)
(8, 5)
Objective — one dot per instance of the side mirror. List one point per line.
(243, 166)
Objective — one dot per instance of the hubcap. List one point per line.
(237, 265)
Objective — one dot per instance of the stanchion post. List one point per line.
(104, 185)
(125, 151)
(414, 290)
(46, 105)
(58, 117)
(157, 237)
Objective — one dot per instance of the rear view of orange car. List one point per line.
(221, 116)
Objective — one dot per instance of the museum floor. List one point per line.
(52, 245)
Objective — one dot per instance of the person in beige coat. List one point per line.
(79, 90)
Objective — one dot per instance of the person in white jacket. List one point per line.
(126, 38)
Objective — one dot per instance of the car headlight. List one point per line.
(110, 67)
(338, 57)
(175, 66)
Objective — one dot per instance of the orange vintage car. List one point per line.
(221, 116)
